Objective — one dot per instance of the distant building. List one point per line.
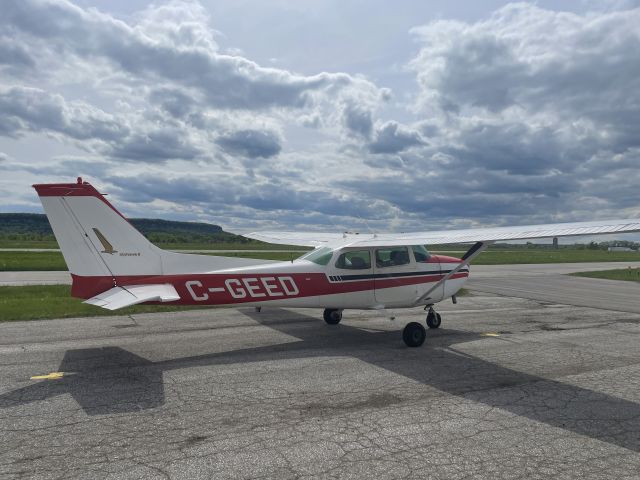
(620, 249)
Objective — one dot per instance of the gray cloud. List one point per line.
(251, 143)
(544, 65)
(393, 138)
(442, 198)
(14, 57)
(228, 192)
(524, 111)
(527, 115)
(425, 187)
(36, 110)
(513, 147)
(29, 109)
(358, 120)
(174, 101)
(76, 166)
(153, 51)
(154, 146)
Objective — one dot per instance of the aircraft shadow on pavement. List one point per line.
(102, 380)
(112, 380)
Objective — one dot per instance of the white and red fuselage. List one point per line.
(103, 250)
(300, 283)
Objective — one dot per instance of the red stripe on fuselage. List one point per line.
(224, 289)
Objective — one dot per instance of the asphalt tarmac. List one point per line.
(551, 284)
(9, 279)
(506, 388)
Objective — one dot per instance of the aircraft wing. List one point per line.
(119, 297)
(440, 237)
(303, 239)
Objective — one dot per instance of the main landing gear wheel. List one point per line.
(332, 316)
(433, 319)
(414, 334)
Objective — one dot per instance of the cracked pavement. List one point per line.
(231, 393)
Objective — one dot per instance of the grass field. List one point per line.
(4, 243)
(31, 261)
(37, 302)
(39, 261)
(36, 261)
(27, 244)
(627, 274)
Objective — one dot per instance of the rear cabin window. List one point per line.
(420, 253)
(391, 257)
(354, 260)
(321, 256)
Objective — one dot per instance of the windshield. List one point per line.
(321, 255)
(420, 253)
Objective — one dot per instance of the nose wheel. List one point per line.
(414, 334)
(433, 318)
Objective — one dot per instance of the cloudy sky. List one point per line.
(327, 115)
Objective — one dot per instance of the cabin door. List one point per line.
(394, 276)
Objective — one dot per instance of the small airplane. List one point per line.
(112, 265)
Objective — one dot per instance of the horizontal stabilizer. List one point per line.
(119, 297)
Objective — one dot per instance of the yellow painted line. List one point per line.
(49, 376)
(489, 334)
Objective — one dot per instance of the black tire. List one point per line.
(414, 334)
(332, 316)
(434, 320)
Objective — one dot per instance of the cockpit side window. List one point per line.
(393, 256)
(354, 260)
(420, 253)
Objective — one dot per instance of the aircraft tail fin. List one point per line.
(102, 249)
(96, 239)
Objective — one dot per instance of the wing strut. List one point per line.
(472, 253)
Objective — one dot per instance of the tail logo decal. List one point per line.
(108, 248)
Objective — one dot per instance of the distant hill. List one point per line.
(35, 227)
(24, 223)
